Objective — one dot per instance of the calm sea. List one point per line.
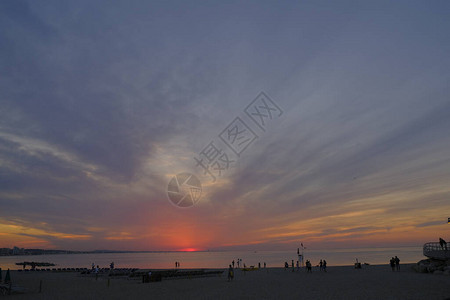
(219, 259)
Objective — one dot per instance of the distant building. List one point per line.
(18, 251)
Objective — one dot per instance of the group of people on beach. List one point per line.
(395, 263)
(322, 265)
(286, 265)
(94, 268)
(239, 262)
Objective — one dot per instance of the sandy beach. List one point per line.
(371, 282)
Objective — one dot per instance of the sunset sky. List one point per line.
(103, 102)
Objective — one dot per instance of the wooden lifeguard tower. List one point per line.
(436, 251)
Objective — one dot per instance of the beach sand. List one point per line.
(371, 282)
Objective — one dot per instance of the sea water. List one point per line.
(218, 259)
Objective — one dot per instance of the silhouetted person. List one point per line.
(443, 243)
(264, 265)
(230, 274)
(320, 265)
(357, 264)
(232, 263)
(308, 266)
(397, 263)
(259, 265)
(324, 265)
(286, 265)
(392, 263)
(7, 277)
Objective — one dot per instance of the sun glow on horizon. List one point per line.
(190, 249)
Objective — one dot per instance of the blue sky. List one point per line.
(101, 103)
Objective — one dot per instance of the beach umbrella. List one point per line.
(7, 277)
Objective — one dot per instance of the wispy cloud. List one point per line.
(100, 104)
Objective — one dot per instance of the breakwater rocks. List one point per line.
(437, 267)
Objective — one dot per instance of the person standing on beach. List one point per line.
(7, 277)
(324, 265)
(397, 263)
(286, 265)
(238, 262)
(320, 265)
(232, 263)
(443, 243)
(230, 274)
(264, 265)
(392, 263)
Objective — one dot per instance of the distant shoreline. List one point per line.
(32, 252)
